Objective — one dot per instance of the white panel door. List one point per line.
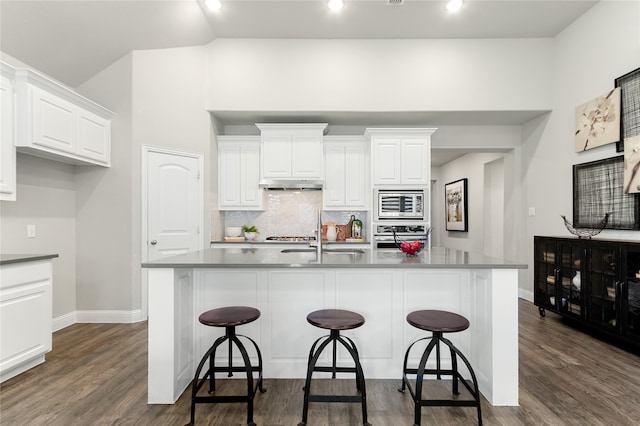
(386, 162)
(276, 155)
(7, 148)
(306, 156)
(416, 162)
(356, 176)
(94, 137)
(53, 121)
(335, 167)
(174, 203)
(229, 175)
(250, 193)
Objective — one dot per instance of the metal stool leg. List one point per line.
(248, 369)
(314, 354)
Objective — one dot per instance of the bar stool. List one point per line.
(439, 322)
(334, 320)
(229, 318)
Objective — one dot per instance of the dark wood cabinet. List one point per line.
(594, 282)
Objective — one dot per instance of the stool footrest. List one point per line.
(234, 369)
(223, 398)
(431, 372)
(335, 398)
(334, 369)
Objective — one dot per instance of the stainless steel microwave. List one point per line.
(403, 204)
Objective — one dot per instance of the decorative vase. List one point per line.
(249, 235)
(576, 280)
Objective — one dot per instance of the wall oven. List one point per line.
(399, 204)
(383, 233)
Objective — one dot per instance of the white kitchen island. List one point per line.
(382, 285)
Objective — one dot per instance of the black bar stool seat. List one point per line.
(439, 322)
(229, 318)
(334, 320)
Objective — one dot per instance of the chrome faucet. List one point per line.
(318, 237)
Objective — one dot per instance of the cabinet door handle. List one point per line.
(154, 242)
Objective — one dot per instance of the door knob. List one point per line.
(154, 242)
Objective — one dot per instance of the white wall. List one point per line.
(379, 75)
(106, 263)
(601, 45)
(46, 198)
(171, 89)
(472, 167)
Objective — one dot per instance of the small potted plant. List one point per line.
(249, 232)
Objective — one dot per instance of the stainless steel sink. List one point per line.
(344, 251)
(299, 250)
(329, 251)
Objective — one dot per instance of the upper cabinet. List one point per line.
(7, 148)
(291, 151)
(346, 184)
(400, 156)
(55, 122)
(239, 173)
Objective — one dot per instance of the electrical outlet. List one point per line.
(31, 231)
(532, 211)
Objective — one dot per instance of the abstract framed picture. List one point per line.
(632, 165)
(598, 121)
(598, 188)
(629, 85)
(456, 204)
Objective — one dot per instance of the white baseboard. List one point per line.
(525, 294)
(64, 321)
(108, 317)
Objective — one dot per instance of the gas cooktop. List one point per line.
(290, 239)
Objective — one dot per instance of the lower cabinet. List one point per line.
(595, 282)
(285, 297)
(25, 316)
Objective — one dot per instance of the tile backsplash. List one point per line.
(286, 213)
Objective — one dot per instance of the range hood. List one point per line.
(291, 184)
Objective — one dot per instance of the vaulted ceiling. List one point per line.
(72, 40)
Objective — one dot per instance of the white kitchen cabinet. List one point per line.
(346, 184)
(25, 315)
(291, 151)
(239, 173)
(55, 122)
(7, 148)
(400, 156)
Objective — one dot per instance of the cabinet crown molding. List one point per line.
(395, 131)
(291, 126)
(29, 76)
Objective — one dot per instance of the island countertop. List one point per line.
(6, 259)
(263, 257)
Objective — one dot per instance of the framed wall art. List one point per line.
(598, 121)
(456, 203)
(598, 188)
(629, 85)
(632, 165)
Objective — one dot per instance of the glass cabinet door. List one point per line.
(601, 271)
(630, 292)
(546, 274)
(569, 279)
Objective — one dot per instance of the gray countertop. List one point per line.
(6, 259)
(268, 257)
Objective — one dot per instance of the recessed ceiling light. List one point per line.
(213, 4)
(454, 5)
(335, 4)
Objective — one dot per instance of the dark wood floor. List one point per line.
(96, 375)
